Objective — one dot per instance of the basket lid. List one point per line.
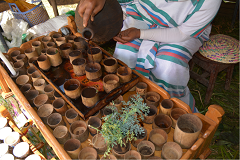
(221, 48)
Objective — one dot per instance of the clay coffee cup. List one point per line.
(74, 55)
(158, 137)
(152, 98)
(72, 88)
(162, 121)
(187, 130)
(45, 111)
(51, 45)
(26, 88)
(36, 76)
(118, 103)
(55, 36)
(23, 58)
(31, 60)
(40, 100)
(14, 54)
(79, 65)
(55, 120)
(20, 67)
(61, 40)
(56, 95)
(70, 39)
(31, 95)
(65, 49)
(23, 79)
(99, 143)
(149, 117)
(132, 154)
(79, 130)
(95, 54)
(49, 90)
(110, 65)
(38, 46)
(31, 70)
(88, 153)
(80, 43)
(93, 71)
(71, 115)
(44, 51)
(146, 149)
(124, 74)
(40, 85)
(31, 52)
(140, 137)
(109, 110)
(89, 96)
(61, 134)
(141, 88)
(110, 82)
(73, 147)
(171, 150)
(54, 57)
(44, 62)
(45, 40)
(60, 106)
(166, 106)
(95, 122)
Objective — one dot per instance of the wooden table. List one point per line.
(200, 148)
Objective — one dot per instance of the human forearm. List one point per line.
(166, 35)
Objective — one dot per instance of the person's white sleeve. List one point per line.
(193, 26)
(165, 35)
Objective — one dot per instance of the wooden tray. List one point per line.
(199, 149)
(56, 77)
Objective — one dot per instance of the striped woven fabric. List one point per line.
(166, 64)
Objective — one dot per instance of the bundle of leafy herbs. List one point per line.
(124, 124)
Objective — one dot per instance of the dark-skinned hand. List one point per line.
(89, 8)
(127, 35)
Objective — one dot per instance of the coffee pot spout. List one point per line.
(87, 33)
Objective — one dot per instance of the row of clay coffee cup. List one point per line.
(53, 52)
(73, 90)
(187, 126)
(77, 133)
(89, 95)
(166, 106)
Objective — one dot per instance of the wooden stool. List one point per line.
(211, 68)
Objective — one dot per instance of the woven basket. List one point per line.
(221, 48)
(34, 16)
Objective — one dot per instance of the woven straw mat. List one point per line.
(221, 48)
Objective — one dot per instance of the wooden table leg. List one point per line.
(54, 6)
(229, 77)
(213, 77)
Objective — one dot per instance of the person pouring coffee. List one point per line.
(159, 38)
